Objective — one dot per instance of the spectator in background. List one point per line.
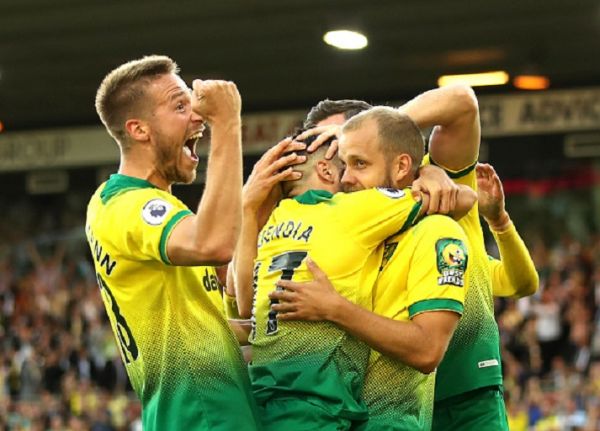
(548, 327)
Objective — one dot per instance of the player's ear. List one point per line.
(137, 129)
(325, 171)
(402, 167)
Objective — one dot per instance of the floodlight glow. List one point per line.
(531, 82)
(346, 39)
(475, 79)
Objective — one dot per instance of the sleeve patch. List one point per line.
(390, 192)
(452, 260)
(155, 211)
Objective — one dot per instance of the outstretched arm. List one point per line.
(515, 274)
(454, 113)
(419, 343)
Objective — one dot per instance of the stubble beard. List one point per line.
(167, 158)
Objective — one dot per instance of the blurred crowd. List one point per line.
(551, 341)
(60, 369)
(59, 366)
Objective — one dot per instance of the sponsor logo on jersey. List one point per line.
(488, 363)
(390, 192)
(155, 211)
(451, 261)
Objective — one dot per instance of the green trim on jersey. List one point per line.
(455, 174)
(412, 217)
(181, 356)
(435, 305)
(313, 197)
(167, 232)
(118, 183)
(472, 359)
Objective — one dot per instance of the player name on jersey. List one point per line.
(286, 229)
(101, 256)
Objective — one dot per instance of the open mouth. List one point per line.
(189, 148)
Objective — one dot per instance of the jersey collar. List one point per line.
(118, 183)
(313, 197)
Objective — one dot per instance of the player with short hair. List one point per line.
(468, 392)
(181, 356)
(308, 375)
(456, 139)
(414, 312)
(334, 112)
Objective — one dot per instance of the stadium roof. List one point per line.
(53, 54)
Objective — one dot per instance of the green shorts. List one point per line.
(299, 415)
(479, 410)
(386, 424)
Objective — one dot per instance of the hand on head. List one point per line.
(323, 134)
(261, 191)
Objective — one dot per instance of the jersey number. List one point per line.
(124, 335)
(286, 263)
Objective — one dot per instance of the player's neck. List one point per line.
(404, 182)
(312, 184)
(139, 167)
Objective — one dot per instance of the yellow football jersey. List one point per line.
(182, 358)
(473, 357)
(341, 233)
(424, 269)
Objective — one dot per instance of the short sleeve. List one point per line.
(465, 176)
(468, 176)
(438, 267)
(148, 219)
(373, 215)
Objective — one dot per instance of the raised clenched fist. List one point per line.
(216, 101)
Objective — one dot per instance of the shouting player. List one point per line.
(181, 356)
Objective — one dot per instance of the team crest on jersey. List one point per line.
(155, 211)
(451, 261)
(390, 192)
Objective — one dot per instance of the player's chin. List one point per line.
(186, 177)
(190, 177)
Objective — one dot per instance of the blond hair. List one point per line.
(122, 92)
(397, 133)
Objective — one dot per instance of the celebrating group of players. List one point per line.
(359, 259)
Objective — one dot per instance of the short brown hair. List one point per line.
(397, 133)
(326, 108)
(122, 91)
(308, 167)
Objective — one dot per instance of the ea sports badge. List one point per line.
(155, 211)
(390, 192)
